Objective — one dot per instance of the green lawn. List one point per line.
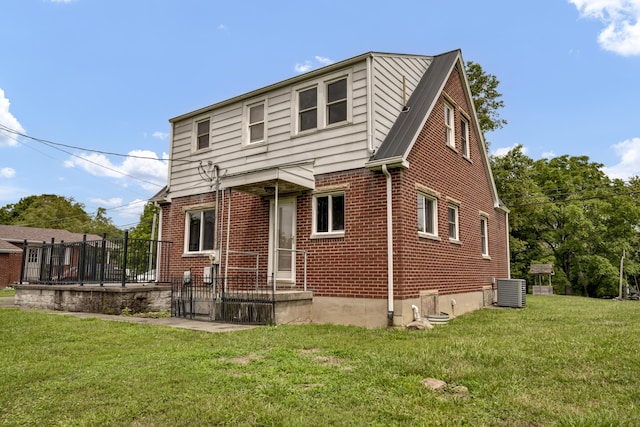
(561, 361)
(7, 292)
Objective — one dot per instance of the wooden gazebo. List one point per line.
(539, 271)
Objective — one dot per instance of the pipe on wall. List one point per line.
(389, 247)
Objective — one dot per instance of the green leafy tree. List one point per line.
(57, 212)
(566, 211)
(486, 98)
(144, 228)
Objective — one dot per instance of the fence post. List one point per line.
(51, 260)
(81, 260)
(103, 260)
(24, 259)
(124, 257)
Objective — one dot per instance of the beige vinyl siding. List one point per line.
(388, 73)
(335, 148)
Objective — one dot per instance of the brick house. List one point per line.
(373, 168)
(12, 238)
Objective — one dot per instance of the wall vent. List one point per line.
(512, 293)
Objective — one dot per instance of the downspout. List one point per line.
(389, 247)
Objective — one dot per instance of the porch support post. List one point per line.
(276, 234)
(226, 257)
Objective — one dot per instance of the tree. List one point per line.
(486, 98)
(57, 212)
(145, 225)
(566, 211)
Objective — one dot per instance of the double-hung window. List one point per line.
(484, 239)
(256, 123)
(328, 212)
(427, 215)
(464, 137)
(453, 219)
(202, 134)
(337, 101)
(199, 230)
(448, 124)
(308, 109)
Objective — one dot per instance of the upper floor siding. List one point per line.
(377, 85)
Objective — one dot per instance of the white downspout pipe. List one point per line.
(389, 247)
(508, 246)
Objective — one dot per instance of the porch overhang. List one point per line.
(262, 182)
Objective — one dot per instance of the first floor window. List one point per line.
(484, 241)
(329, 213)
(452, 214)
(427, 215)
(200, 226)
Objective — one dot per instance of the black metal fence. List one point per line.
(240, 298)
(120, 260)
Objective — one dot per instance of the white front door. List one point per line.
(282, 255)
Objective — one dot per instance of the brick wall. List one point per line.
(356, 265)
(10, 268)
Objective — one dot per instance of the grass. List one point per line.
(7, 292)
(565, 361)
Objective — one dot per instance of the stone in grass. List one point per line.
(441, 386)
(419, 325)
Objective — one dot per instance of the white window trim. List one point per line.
(321, 105)
(450, 127)
(246, 134)
(315, 234)
(195, 133)
(484, 230)
(456, 208)
(466, 151)
(187, 211)
(425, 196)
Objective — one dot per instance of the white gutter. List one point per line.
(389, 247)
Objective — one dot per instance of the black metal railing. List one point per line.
(115, 260)
(239, 298)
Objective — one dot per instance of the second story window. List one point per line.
(464, 137)
(448, 124)
(256, 123)
(202, 134)
(337, 101)
(308, 109)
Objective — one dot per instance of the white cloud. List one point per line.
(308, 65)
(629, 164)
(160, 135)
(8, 120)
(7, 172)
(548, 155)
(503, 151)
(132, 209)
(621, 18)
(142, 168)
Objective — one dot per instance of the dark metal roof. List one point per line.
(408, 124)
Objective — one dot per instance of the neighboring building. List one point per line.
(374, 167)
(12, 240)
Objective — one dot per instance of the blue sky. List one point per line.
(107, 75)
